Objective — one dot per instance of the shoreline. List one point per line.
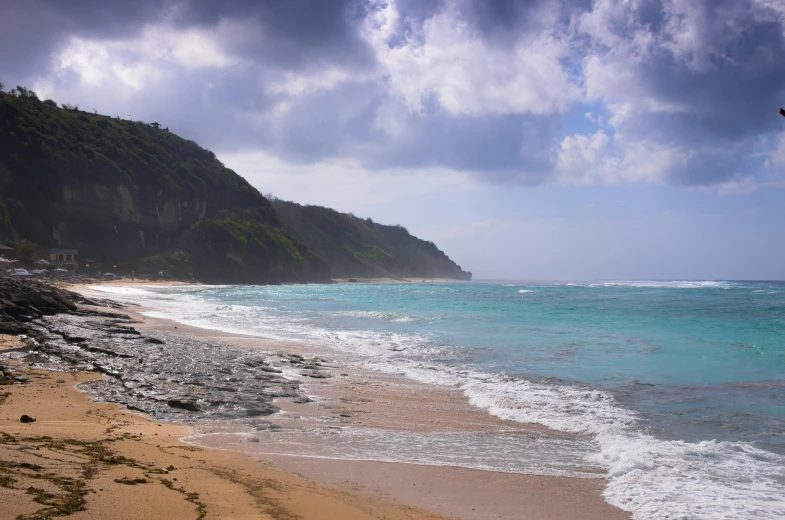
(457, 491)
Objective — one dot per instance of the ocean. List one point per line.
(674, 391)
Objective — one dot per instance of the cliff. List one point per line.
(358, 247)
(137, 196)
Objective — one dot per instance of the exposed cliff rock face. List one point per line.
(143, 223)
(129, 194)
(363, 248)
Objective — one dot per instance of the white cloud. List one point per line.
(135, 63)
(776, 156)
(192, 48)
(297, 84)
(98, 66)
(601, 159)
(582, 155)
(468, 75)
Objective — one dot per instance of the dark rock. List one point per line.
(185, 404)
(142, 375)
(316, 375)
(258, 411)
(34, 357)
(26, 419)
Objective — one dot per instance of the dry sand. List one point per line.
(228, 480)
(99, 461)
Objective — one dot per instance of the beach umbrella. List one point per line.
(60, 270)
(20, 273)
(42, 262)
(5, 261)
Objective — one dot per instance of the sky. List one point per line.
(529, 139)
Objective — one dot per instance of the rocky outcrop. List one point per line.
(21, 302)
(169, 376)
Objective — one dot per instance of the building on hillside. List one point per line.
(64, 258)
(6, 250)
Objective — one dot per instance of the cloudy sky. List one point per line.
(564, 139)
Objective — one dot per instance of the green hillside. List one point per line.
(137, 196)
(362, 248)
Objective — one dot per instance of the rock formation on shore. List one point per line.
(169, 376)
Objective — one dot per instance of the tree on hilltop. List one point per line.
(23, 92)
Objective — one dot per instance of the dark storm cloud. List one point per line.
(31, 30)
(328, 123)
(735, 77)
(289, 33)
(512, 19)
(710, 94)
(515, 147)
(725, 82)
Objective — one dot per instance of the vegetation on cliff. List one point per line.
(363, 248)
(134, 195)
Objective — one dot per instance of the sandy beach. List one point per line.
(97, 461)
(369, 399)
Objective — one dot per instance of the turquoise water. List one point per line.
(673, 380)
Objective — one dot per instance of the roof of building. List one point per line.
(57, 251)
(4, 247)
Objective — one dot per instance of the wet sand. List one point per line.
(361, 398)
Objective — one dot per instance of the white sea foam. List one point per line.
(121, 290)
(524, 291)
(377, 315)
(504, 451)
(654, 479)
(708, 284)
